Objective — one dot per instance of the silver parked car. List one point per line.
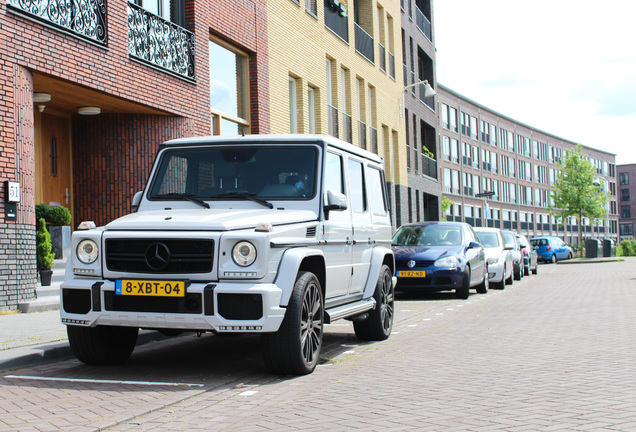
(498, 256)
(530, 256)
(517, 255)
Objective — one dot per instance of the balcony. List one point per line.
(429, 167)
(364, 43)
(362, 135)
(333, 121)
(374, 140)
(423, 24)
(160, 43)
(83, 18)
(382, 55)
(347, 125)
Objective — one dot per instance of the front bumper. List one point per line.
(496, 272)
(222, 307)
(435, 280)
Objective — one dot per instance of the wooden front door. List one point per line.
(53, 184)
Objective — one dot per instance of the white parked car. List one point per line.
(275, 235)
(510, 238)
(498, 256)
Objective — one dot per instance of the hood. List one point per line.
(425, 253)
(208, 219)
(495, 252)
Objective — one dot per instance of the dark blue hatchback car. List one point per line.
(439, 256)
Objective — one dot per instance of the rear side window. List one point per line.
(356, 187)
(376, 192)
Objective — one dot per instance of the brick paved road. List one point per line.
(555, 351)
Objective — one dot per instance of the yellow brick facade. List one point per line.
(299, 46)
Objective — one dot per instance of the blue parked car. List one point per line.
(551, 249)
(440, 256)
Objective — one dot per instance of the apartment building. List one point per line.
(627, 200)
(91, 88)
(514, 165)
(332, 70)
(422, 199)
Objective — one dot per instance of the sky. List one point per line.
(566, 67)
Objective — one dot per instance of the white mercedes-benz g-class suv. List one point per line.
(268, 234)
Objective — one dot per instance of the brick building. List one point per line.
(484, 151)
(333, 71)
(422, 199)
(626, 199)
(90, 90)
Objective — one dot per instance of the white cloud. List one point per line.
(568, 68)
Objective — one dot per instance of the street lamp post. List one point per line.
(483, 196)
(428, 92)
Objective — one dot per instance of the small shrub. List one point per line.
(626, 247)
(59, 216)
(46, 258)
(42, 211)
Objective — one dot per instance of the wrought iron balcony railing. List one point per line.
(84, 18)
(160, 43)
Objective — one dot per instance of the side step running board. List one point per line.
(348, 310)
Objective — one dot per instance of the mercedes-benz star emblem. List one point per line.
(411, 264)
(157, 256)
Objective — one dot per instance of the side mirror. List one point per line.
(509, 246)
(474, 244)
(136, 201)
(335, 201)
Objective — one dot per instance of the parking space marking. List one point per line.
(102, 381)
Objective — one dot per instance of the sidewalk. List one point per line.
(36, 335)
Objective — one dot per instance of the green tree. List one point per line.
(577, 191)
(446, 204)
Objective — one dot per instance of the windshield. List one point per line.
(488, 239)
(428, 235)
(239, 172)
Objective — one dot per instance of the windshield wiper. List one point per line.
(248, 196)
(188, 197)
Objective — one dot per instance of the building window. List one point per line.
(311, 109)
(311, 6)
(293, 106)
(336, 13)
(626, 211)
(228, 90)
(624, 194)
(623, 179)
(627, 229)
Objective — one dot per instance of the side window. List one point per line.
(470, 234)
(333, 173)
(376, 192)
(356, 187)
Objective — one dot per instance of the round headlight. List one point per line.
(87, 251)
(244, 253)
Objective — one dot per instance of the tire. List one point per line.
(526, 270)
(463, 291)
(535, 270)
(378, 325)
(553, 259)
(295, 348)
(517, 272)
(569, 255)
(509, 280)
(482, 288)
(102, 345)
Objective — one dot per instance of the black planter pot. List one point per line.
(45, 277)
